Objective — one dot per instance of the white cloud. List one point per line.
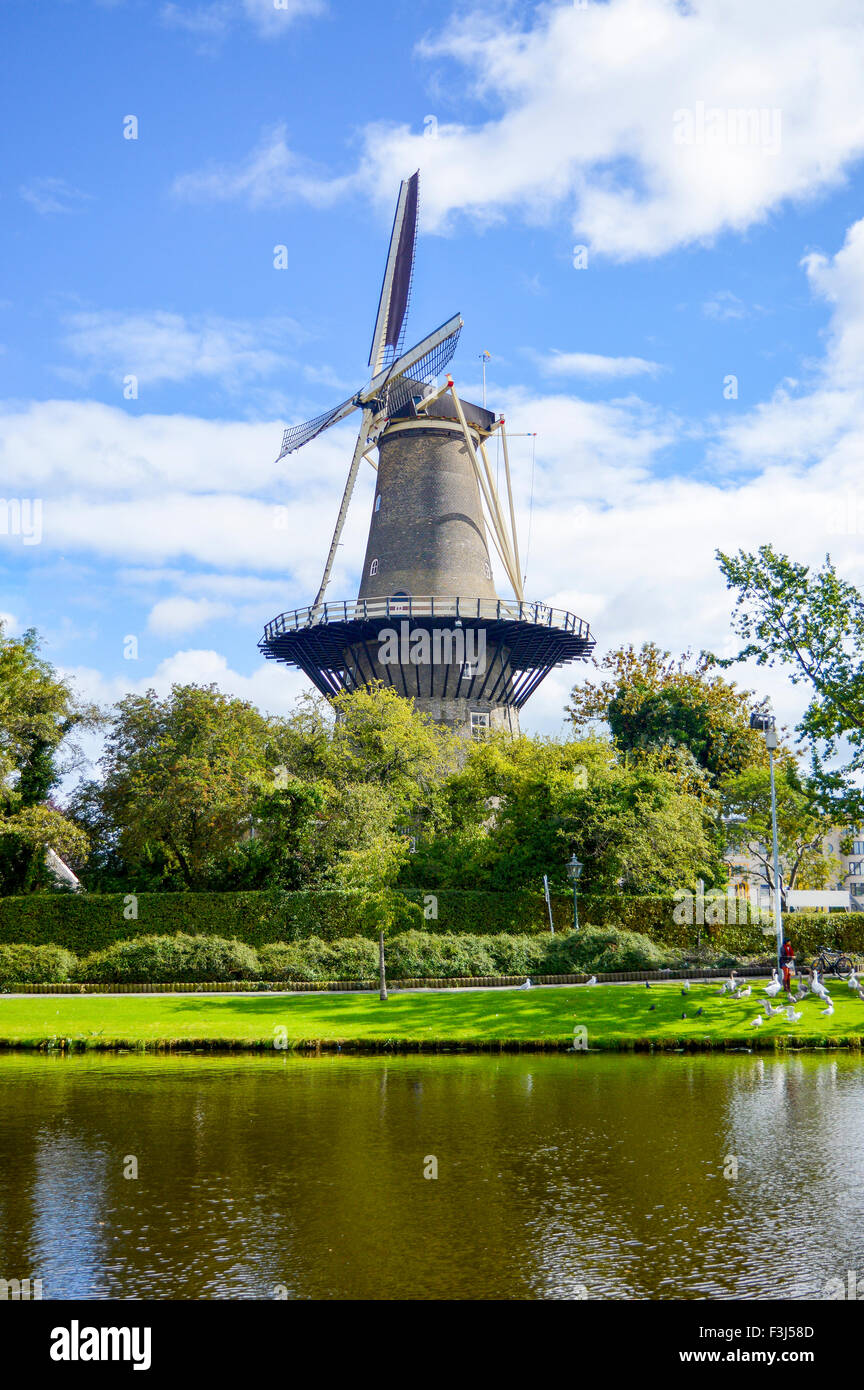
(585, 116)
(273, 17)
(271, 173)
(271, 686)
(161, 346)
(205, 22)
(171, 616)
(211, 23)
(50, 195)
(822, 421)
(152, 490)
(724, 305)
(593, 364)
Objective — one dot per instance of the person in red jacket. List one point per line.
(787, 963)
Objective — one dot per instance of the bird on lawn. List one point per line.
(773, 1010)
(731, 984)
(527, 985)
(685, 988)
(852, 980)
(861, 994)
(651, 1006)
(647, 984)
(699, 1011)
(683, 1015)
(744, 993)
(817, 986)
(775, 986)
(757, 1021)
(829, 1011)
(792, 1016)
(592, 981)
(803, 991)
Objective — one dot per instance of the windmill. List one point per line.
(395, 374)
(466, 656)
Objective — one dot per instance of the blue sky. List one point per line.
(537, 128)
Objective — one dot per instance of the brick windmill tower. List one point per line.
(427, 619)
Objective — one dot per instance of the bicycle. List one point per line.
(830, 960)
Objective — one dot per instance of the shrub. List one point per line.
(518, 955)
(280, 960)
(168, 959)
(354, 958)
(418, 954)
(605, 949)
(35, 965)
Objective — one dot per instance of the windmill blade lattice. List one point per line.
(298, 435)
(400, 389)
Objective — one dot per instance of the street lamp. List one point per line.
(763, 721)
(574, 873)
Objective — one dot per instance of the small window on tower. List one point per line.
(378, 502)
(479, 724)
(486, 570)
(373, 568)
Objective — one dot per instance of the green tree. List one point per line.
(802, 825)
(812, 623)
(520, 807)
(381, 768)
(182, 777)
(39, 713)
(651, 701)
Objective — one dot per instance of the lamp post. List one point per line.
(765, 722)
(574, 873)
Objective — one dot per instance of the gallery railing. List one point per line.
(360, 610)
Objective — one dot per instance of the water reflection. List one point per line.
(554, 1173)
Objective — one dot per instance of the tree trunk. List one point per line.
(382, 975)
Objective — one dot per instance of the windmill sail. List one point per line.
(298, 435)
(396, 285)
(397, 375)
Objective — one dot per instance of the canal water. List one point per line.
(557, 1176)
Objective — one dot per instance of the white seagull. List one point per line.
(818, 988)
(772, 1010)
(829, 1011)
(744, 993)
(592, 981)
(775, 985)
(755, 1022)
(527, 985)
(852, 980)
(792, 1016)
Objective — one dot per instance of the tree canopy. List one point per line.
(39, 712)
(652, 701)
(811, 623)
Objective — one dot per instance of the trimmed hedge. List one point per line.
(86, 923)
(844, 931)
(91, 922)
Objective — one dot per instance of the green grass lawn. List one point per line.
(614, 1016)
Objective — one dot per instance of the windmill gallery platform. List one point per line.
(427, 619)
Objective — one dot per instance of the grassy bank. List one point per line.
(614, 1017)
